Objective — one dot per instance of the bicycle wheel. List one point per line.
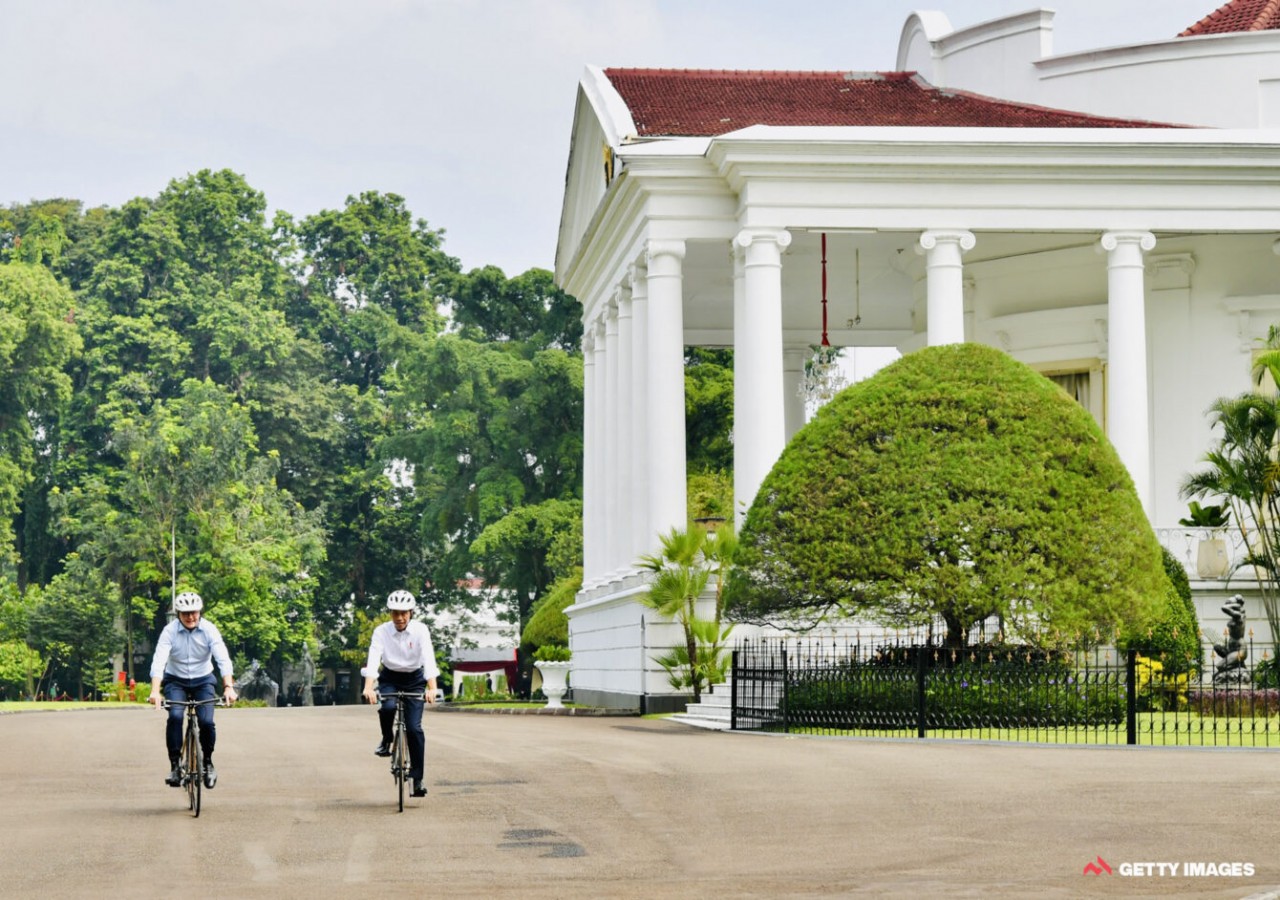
(191, 758)
(188, 762)
(401, 762)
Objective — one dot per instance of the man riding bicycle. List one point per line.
(181, 670)
(403, 648)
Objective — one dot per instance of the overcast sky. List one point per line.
(463, 107)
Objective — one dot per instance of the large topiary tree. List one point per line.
(955, 484)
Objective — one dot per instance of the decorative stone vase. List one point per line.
(555, 681)
(1212, 560)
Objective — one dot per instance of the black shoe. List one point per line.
(383, 749)
(418, 789)
(210, 774)
(174, 778)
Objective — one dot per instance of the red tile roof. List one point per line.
(1236, 16)
(705, 103)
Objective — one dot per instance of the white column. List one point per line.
(741, 402)
(792, 379)
(1128, 416)
(623, 399)
(945, 283)
(600, 458)
(760, 435)
(668, 496)
(640, 533)
(613, 474)
(591, 566)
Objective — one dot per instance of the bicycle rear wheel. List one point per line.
(191, 761)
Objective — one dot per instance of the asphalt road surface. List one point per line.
(533, 806)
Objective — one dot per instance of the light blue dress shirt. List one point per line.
(190, 653)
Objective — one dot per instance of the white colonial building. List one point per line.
(1111, 220)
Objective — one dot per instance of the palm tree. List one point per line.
(1244, 467)
(682, 569)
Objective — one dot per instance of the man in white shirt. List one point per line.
(403, 648)
(182, 669)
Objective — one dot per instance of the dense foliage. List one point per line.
(956, 484)
(1173, 638)
(293, 417)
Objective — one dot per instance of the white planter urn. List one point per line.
(1212, 560)
(555, 681)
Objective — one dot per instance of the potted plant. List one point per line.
(1212, 560)
(552, 660)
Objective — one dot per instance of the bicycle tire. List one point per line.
(401, 760)
(191, 762)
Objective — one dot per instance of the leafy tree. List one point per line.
(547, 623)
(516, 552)
(72, 623)
(369, 284)
(710, 495)
(37, 342)
(58, 233)
(529, 309)
(708, 393)
(192, 476)
(20, 665)
(368, 300)
(955, 484)
(488, 429)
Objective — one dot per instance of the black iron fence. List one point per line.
(993, 692)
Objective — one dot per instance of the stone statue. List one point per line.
(256, 684)
(1232, 652)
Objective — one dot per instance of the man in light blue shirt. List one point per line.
(182, 669)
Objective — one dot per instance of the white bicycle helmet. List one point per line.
(187, 601)
(401, 600)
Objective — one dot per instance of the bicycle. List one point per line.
(400, 741)
(190, 759)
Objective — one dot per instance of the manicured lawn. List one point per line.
(1154, 730)
(55, 705)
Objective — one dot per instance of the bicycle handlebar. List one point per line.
(167, 703)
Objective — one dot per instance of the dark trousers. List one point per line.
(390, 681)
(181, 689)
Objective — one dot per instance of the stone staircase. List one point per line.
(713, 711)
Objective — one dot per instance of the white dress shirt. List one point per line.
(402, 651)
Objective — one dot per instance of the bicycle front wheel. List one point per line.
(401, 764)
(191, 759)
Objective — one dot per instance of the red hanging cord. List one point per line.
(825, 342)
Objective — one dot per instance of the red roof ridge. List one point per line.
(1237, 17)
(756, 73)
(710, 102)
(1018, 104)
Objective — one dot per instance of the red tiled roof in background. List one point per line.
(705, 103)
(1236, 16)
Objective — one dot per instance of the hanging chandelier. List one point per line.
(822, 376)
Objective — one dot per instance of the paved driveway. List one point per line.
(524, 806)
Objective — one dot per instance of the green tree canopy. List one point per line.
(955, 484)
(547, 623)
(529, 308)
(37, 342)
